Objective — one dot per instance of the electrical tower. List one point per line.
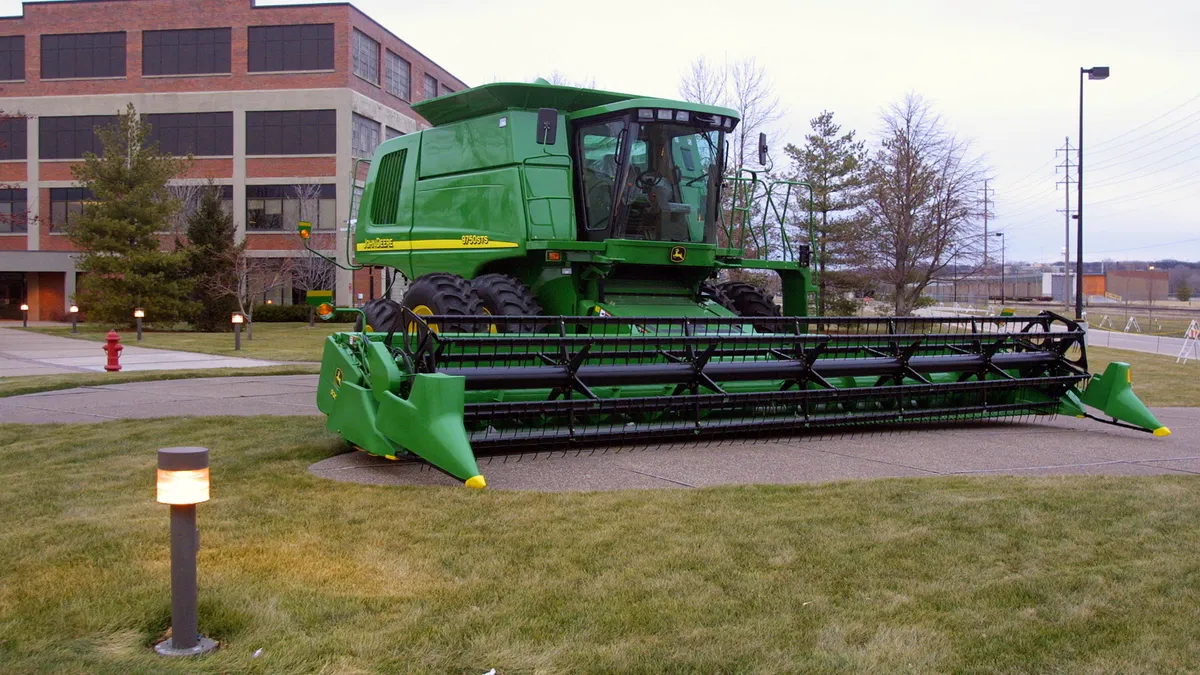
(1067, 180)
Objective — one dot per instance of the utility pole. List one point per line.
(986, 201)
(1067, 180)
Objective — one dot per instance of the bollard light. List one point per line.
(138, 315)
(183, 483)
(270, 302)
(74, 318)
(237, 320)
(24, 315)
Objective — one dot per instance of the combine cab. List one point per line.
(566, 247)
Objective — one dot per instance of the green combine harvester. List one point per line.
(566, 249)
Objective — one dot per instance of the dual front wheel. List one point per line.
(451, 295)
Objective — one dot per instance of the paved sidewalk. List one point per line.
(26, 353)
(209, 396)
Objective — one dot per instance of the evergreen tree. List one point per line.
(1183, 292)
(211, 252)
(832, 163)
(118, 231)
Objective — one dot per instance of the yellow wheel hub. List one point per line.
(422, 310)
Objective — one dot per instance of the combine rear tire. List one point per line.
(503, 295)
(382, 315)
(448, 294)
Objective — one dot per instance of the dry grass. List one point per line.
(1158, 380)
(31, 384)
(996, 575)
(272, 341)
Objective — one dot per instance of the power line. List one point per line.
(1111, 162)
(1105, 143)
(1141, 248)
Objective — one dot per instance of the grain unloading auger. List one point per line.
(566, 248)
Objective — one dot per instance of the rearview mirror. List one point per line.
(762, 148)
(547, 126)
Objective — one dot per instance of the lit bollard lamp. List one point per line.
(183, 483)
(24, 315)
(138, 315)
(237, 320)
(74, 318)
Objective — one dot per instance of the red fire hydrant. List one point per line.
(113, 347)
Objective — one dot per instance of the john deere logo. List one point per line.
(678, 254)
(337, 377)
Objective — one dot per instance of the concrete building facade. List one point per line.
(275, 103)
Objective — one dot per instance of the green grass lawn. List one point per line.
(1157, 379)
(30, 384)
(272, 341)
(1157, 325)
(973, 575)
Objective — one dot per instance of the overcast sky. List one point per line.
(1004, 73)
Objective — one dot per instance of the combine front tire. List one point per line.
(714, 293)
(503, 295)
(444, 294)
(382, 315)
(750, 300)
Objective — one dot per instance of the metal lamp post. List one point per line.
(1093, 73)
(74, 318)
(138, 315)
(1003, 298)
(183, 483)
(24, 315)
(237, 320)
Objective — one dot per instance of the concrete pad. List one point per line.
(1186, 465)
(1118, 468)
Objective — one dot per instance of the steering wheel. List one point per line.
(648, 179)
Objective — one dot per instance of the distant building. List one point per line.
(275, 103)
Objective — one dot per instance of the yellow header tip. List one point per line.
(476, 482)
(1162, 431)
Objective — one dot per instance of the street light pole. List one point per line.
(1093, 73)
(1003, 297)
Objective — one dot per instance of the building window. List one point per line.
(83, 55)
(390, 133)
(66, 204)
(280, 208)
(430, 87)
(71, 137)
(291, 132)
(366, 57)
(446, 90)
(200, 134)
(365, 136)
(284, 48)
(186, 52)
(12, 138)
(12, 210)
(12, 57)
(399, 77)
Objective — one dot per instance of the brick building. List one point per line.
(275, 103)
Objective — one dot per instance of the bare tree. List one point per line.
(253, 278)
(704, 83)
(744, 86)
(561, 79)
(188, 196)
(921, 201)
